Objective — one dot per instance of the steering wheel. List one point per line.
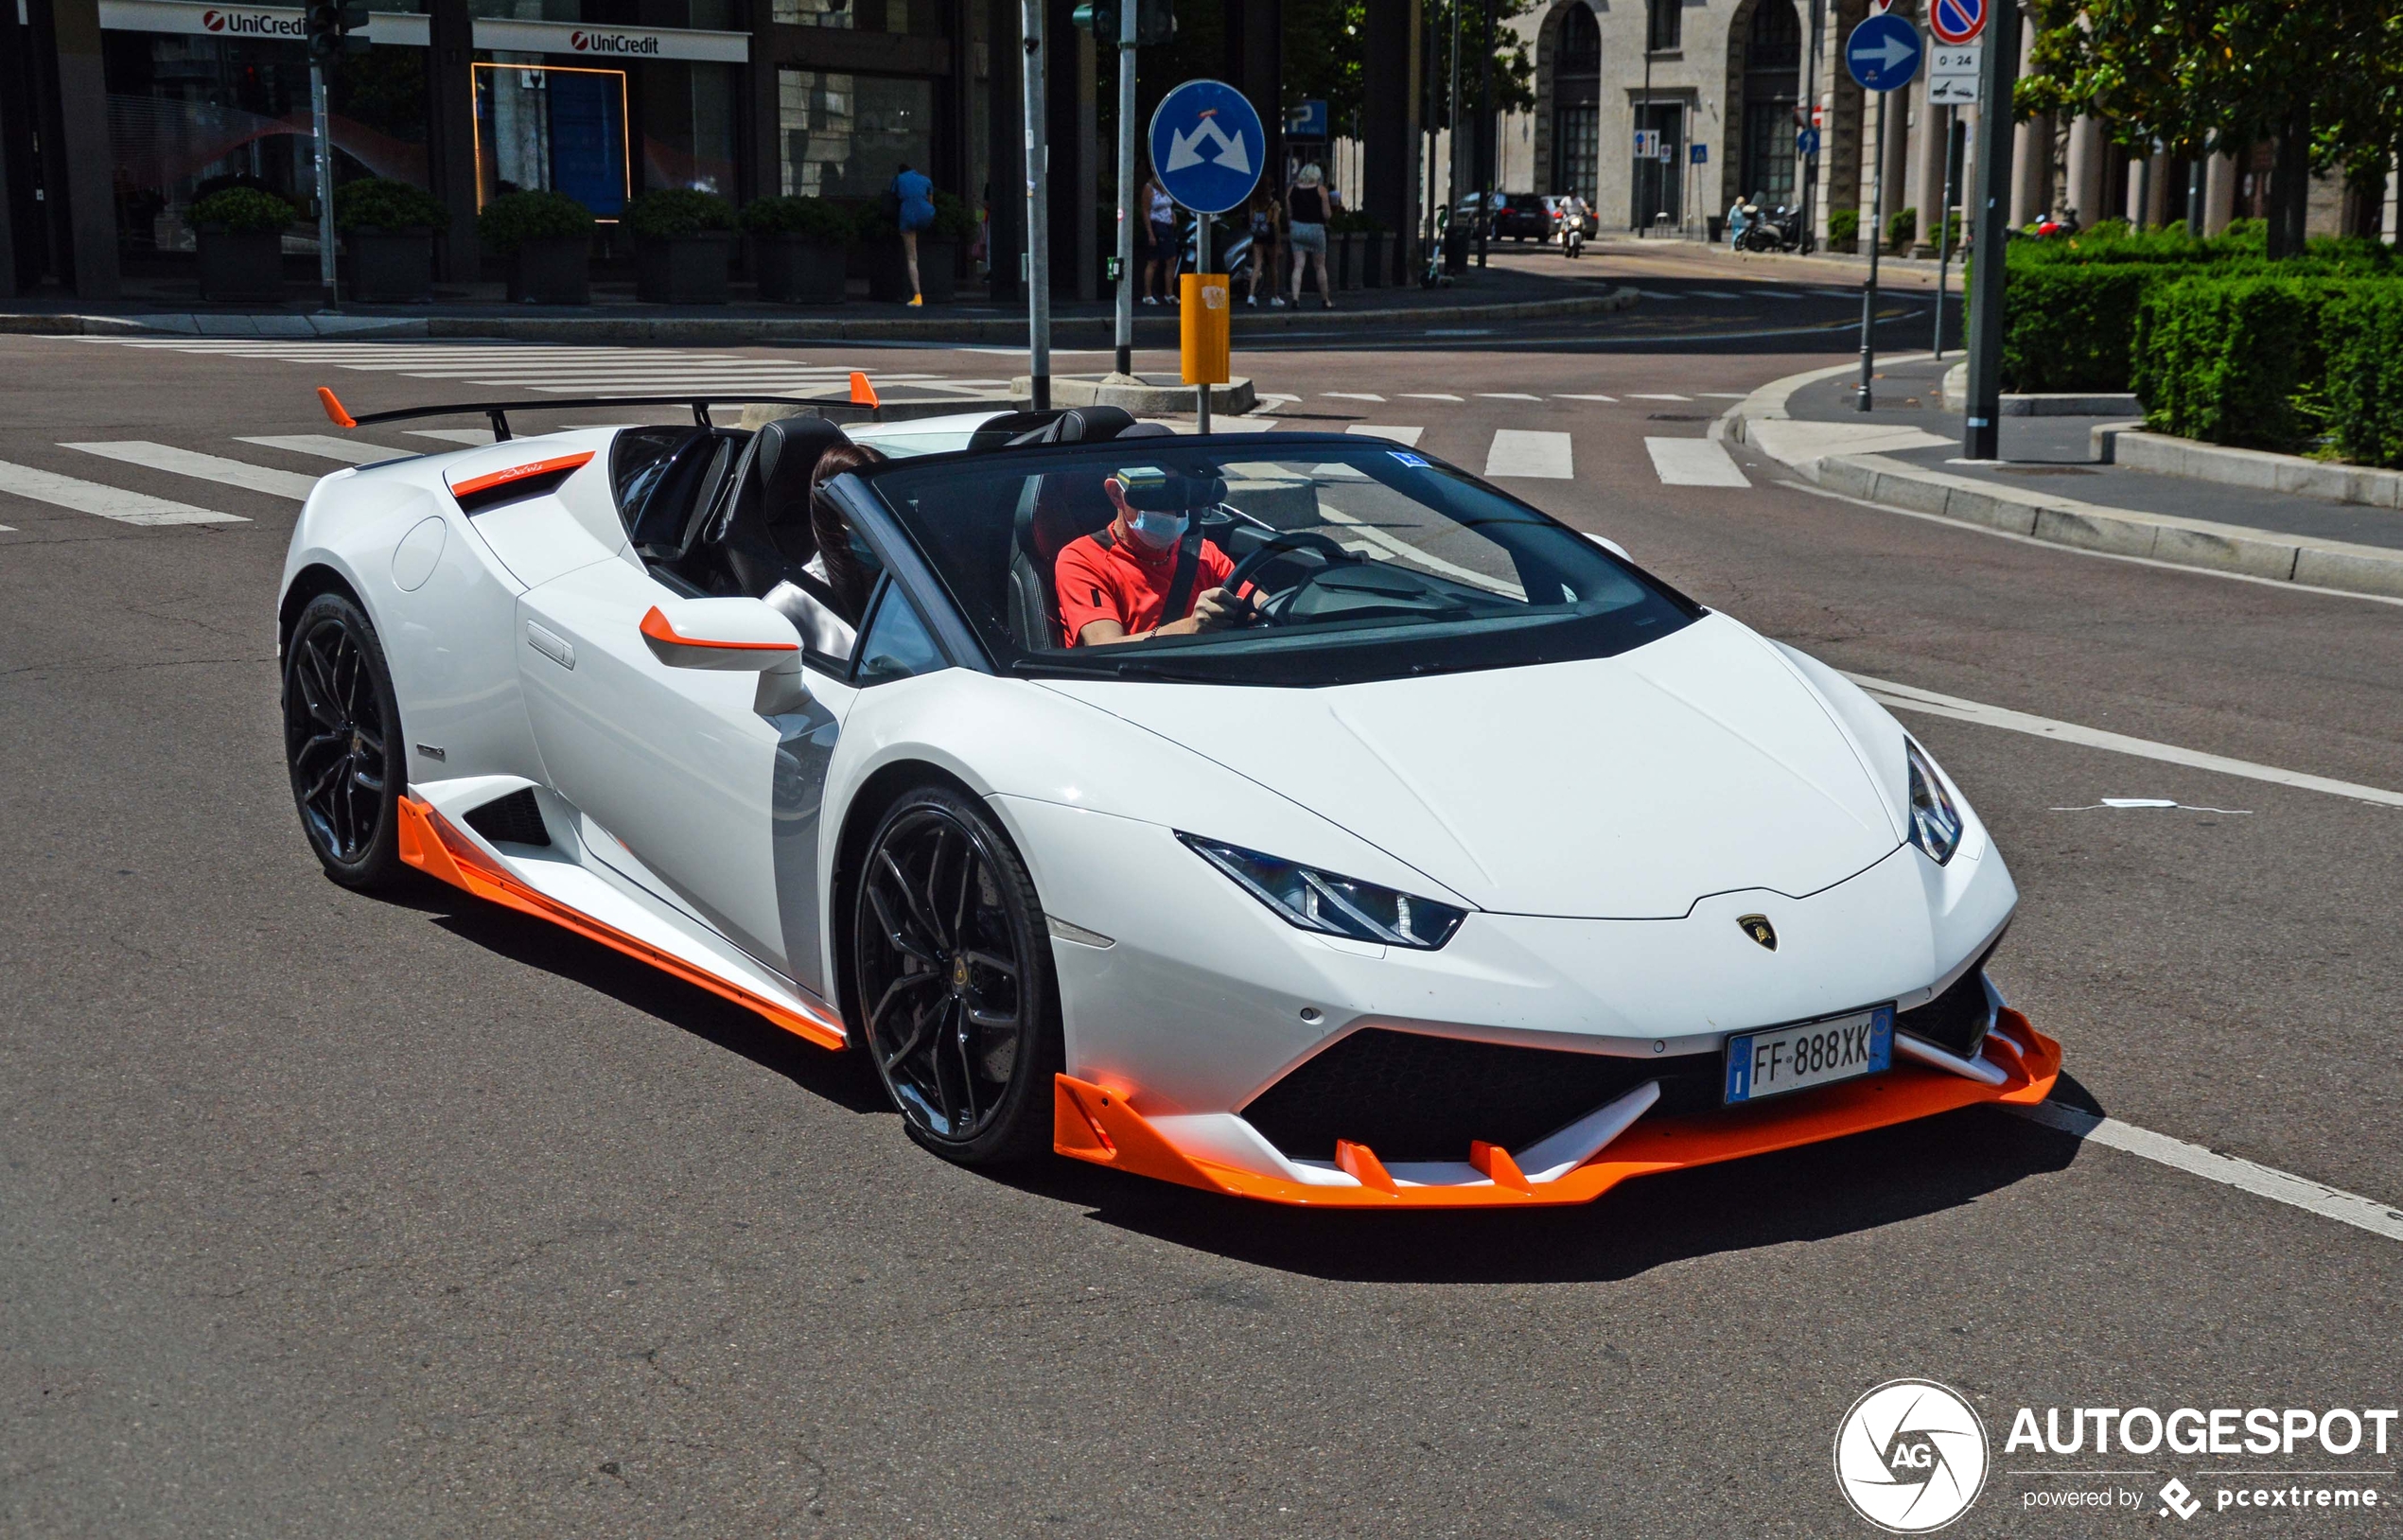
(1294, 543)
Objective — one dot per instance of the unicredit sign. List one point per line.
(614, 42)
(256, 24)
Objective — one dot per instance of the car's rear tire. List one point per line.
(342, 742)
(959, 1010)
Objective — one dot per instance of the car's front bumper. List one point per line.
(1097, 1123)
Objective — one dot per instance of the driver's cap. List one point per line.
(1155, 489)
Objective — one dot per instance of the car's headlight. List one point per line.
(1332, 905)
(1936, 824)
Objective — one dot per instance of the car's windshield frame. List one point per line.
(1329, 657)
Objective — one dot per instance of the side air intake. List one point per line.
(513, 819)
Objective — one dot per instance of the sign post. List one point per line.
(1980, 434)
(1038, 209)
(1882, 54)
(1207, 147)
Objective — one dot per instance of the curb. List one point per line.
(2258, 469)
(1151, 330)
(1897, 484)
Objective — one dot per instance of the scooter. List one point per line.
(1573, 237)
(1435, 277)
(1777, 230)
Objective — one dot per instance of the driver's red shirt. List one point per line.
(1126, 582)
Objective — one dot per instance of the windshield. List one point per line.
(1333, 560)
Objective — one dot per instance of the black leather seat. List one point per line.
(762, 535)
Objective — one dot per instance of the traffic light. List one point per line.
(324, 26)
(1101, 18)
(353, 27)
(1155, 21)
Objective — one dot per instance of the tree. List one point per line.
(2322, 78)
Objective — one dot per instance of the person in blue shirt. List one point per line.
(914, 200)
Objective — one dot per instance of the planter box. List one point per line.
(682, 270)
(551, 272)
(241, 266)
(1376, 266)
(1344, 259)
(793, 269)
(391, 266)
(889, 272)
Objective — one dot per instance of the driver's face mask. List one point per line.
(1156, 530)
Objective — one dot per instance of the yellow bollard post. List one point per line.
(1206, 320)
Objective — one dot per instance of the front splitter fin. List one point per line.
(1094, 1123)
(430, 843)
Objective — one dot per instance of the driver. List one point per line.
(1113, 584)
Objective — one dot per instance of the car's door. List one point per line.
(719, 802)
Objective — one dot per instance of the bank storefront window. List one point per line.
(189, 113)
(845, 135)
(553, 129)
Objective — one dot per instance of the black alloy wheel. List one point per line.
(953, 963)
(342, 743)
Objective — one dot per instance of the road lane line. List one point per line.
(326, 447)
(453, 435)
(107, 501)
(205, 468)
(1910, 698)
(1612, 399)
(1693, 463)
(1521, 451)
(2229, 1170)
(1506, 396)
(1427, 395)
(1656, 396)
(1404, 436)
(1350, 395)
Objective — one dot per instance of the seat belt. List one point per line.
(1180, 597)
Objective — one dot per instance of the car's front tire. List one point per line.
(959, 1010)
(342, 742)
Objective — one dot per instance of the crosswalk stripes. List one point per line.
(106, 501)
(1527, 453)
(326, 447)
(1404, 436)
(206, 467)
(453, 435)
(1693, 463)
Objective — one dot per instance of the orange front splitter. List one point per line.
(1092, 1123)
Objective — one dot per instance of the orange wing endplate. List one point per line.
(335, 411)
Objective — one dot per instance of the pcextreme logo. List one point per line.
(1910, 1456)
(612, 42)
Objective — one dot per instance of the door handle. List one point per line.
(550, 645)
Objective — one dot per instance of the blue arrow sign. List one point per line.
(1207, 146)
(1883, 53)
(1806, 142)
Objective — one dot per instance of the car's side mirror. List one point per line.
(733, 635)
(1609, 545)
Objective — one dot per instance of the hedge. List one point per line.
(2361, 331)
(2236, 359)
(375, 203)
(242, 210)
(813, 218)
(669, 213)
(513, 219)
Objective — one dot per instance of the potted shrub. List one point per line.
(241, 244)
(938, 248)
(797, 248)
(682, 239)
(388, 230)
(547, 237)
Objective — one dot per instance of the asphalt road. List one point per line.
(330, 1215)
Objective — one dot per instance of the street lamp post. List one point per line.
(1037, 210)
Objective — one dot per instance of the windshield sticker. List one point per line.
(1408, 459)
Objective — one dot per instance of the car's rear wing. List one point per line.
(862, 400)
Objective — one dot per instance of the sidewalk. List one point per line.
(1517, 286)
(2051, 485)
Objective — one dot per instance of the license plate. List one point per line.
(1814, 1054)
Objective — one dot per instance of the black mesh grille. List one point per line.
(514, 818)
(1412, 1097)
(1957, 1020)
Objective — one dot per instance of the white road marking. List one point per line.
(1506, 396)
(2229, 1170)
(1693, 463)
(1350, 395)
(1612, 399)
(1713, 295)
(107, 501)
(1657, 396)
(326, 447)
(1656, 294)
(206, 467)
(1427, 395)
(1910, 698)
(1519, 452)
(1835, 293)
(1723, 395)
(7, 528)
(1406, 436)
(453, 435)
(1256, 425)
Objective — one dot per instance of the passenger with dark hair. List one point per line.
(838, 559)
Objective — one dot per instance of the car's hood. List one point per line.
(1615, 788)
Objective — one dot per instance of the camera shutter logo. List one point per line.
(1910, 1456)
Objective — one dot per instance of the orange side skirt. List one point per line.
(1092, 1123)
(429, 843)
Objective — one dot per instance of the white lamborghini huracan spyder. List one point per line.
(1479, 867)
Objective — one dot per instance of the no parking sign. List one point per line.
(1956, 21)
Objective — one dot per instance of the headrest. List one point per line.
(1081, 425)
(1162, 490)
(787, 450)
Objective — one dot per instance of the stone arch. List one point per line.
(1761, 33)
(1567, 98)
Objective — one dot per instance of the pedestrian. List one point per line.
(1160, 216)
(1265, 214)
(1306, 211)
(913, 196)
(1737, 225)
